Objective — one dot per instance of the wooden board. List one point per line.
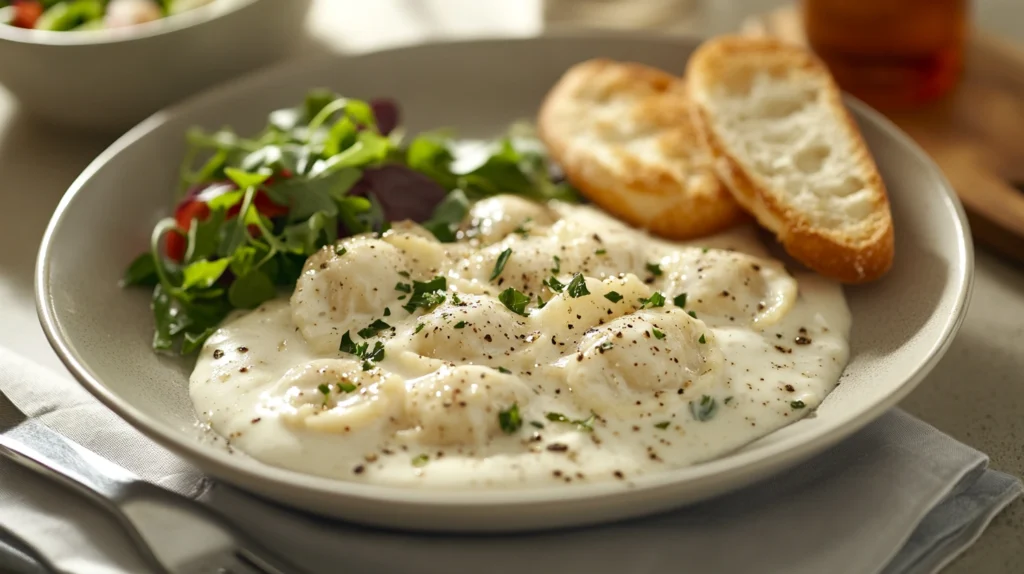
(975, 134)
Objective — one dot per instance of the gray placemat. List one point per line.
(899, 497)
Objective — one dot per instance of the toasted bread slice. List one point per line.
(788, 150)
(622, 133)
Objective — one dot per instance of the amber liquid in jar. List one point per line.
(889, 53)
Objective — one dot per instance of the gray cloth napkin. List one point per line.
(899, 497)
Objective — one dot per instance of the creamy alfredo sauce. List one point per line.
(634, 385)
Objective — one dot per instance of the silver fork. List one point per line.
(177, 534)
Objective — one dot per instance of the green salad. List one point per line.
(76, 15)
(252, 209)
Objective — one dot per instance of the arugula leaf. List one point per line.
(307, 237)
(203, 236)
(163, 340)
(429, 154)
(447, 216)
(141, 271)
(226, 200)
(203, 274)
(316, 100)
(341, 136)
(369, 148)
(236, 233)
(244, 179)
(192, 342)
(248, 291)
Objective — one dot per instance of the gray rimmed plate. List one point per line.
(902, 324)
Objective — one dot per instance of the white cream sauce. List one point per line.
(753, 349)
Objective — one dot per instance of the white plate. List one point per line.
(902, 324)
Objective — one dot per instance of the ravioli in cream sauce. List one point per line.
(550, 344)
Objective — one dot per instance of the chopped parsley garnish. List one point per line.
(456, 300)
(374, 328)
(540, 302)
(727, 400)
(514, 300)
(554, 284)
(510, 420)
(658, 334)
(460, 325)
(404, 274)
(523, 229)
(420, 460)
(419, 327)
(346, 387)
(377, 354)
(613, 296)
(655, 300)
(797, 404)
(387, 311)
(605, 345)
(504, 370)
(403, 287)
(578, 286)
(692, 314)
(662, 425)
(537, 424)
(324, 388)
(349, 346)
(427, 294)
(601, 252)
(558, 264)
(586, 424)
(654, 269)
(339, 250)
(705, 409)
(361, 351)
(680, 300)
(499, 265)
(702, 340)
(705, 250)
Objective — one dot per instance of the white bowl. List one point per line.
(108, 80)
(902, 323)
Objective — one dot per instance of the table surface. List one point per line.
(975, 394)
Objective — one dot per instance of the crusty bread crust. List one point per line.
(856, 253)
(668, 186)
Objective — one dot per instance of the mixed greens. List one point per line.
(76, 15)
(251, 210)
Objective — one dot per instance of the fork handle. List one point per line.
(36, 446)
